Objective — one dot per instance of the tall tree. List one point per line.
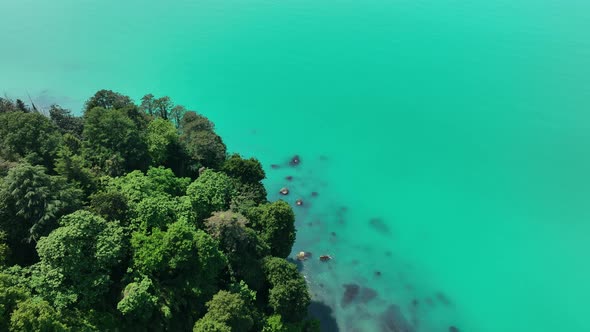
(78, 258)
(110, 135)
(28, 135)
(65, 121)
(108, 99)
(211, 192)
(203, 145)
(162, 138)
(275, 222)
(35, 201)
(227, 309)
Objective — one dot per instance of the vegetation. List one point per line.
(134, 218)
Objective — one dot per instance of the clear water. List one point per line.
(462, 125)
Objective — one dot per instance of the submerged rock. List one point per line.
(325, 258)
(314, 194)
(393, 320)
(453, 329)
(443, 299)
(377, 273)
(295, 160)
(275, 166)
(303, 255)
(351, 291)
(367, 294)
(379, 225)
(289, 178)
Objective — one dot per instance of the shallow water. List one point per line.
(461, 129)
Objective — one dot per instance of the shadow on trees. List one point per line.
(324, 314)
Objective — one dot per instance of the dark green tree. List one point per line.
(245, 170)
(113, 141)
(288, 294)
(240, 244)
(107, 99)
(275, 222)
(110, 204)
(202, 144)
(228, 309)
(78, 257)
(65, 121)
(139, 303)
(34, 201)
(30, 136)
(148, 105)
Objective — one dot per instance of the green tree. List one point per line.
(108, 99)
(176, 114)
(240, 244)
(110, 204)
(10, 295)
(35, 201)
(65, 121)
(212, 191)
(78, 257)
(113, 141)
(229, 309)
(275, 222)
(36, 314)
(290, 299)
(30, 136)
(154, 211)
(139, 302)
(288, 295)
(245, 170)
(162, 138)
(72, 166)
(202, 144)
(207, 324)
(147, 104)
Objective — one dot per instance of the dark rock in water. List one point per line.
(367, 294)
(325, 258)
(333, 233)
(314, 194)
(275, 166)
(393, 320)
(324, 314)
(415, 303)
(299, 202)
(284, 191)
(379, 225)
(289, 178)
(453, 329)
(377, 273)
(351, 291)
(310, 224)
(443, 299)
(388, 253)
(295, 160)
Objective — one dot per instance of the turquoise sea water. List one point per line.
(449, 141)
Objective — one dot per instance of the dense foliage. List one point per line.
(134, 218)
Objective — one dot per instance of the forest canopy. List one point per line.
(133, 217)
